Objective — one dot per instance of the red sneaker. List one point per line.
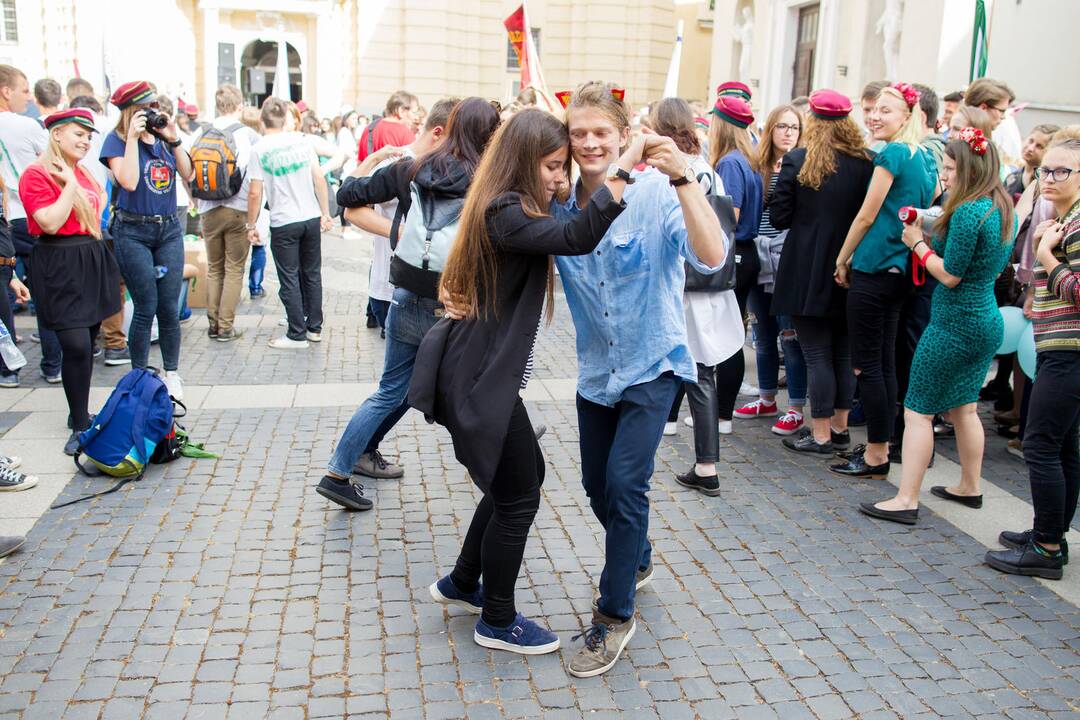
(758, 408)
(789, 423)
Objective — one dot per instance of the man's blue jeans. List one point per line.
(258, 268)
(618, 445)
(409, 319)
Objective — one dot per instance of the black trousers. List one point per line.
(914, 317)
(297, 251)
(827, 349)
(747, 268)
(873, 309)
(76, 368)
(495, 542)
(1052, 443)
(713, 399)
(7, 315)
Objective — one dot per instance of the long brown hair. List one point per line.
(673, 118)
(977, 176)
(767, 154)
(510, 164)
(823, 140)
(725, 138)
(468, 130)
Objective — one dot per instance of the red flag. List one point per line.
(517, 28)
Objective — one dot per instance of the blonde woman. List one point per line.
(74, 274)
(874, 263)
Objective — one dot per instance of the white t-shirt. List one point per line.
(379, 286)
(245, 139)
(22, 139)
(714, 326)
(282, 161)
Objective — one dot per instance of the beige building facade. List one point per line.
(796, 45)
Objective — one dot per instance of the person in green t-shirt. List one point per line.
(873, 263)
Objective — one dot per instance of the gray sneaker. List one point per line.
(11, 480)
(10, 543)
(643, 577)
(229, 335)
(604, 643)
(117, 356)
(374, 465)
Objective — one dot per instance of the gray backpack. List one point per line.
(429, 231)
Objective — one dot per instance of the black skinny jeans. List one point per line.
(1052, 443)
(7, 315)
(76, 368)
(495, 542)
(873, 308)
(713, 399)
(827, 349)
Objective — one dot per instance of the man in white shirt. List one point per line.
(22, 140)
(286, 165)
(223, 221)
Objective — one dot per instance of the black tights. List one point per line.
(76, 368)
(495, 542)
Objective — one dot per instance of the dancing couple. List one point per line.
(619, 239)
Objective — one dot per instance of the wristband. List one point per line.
(917, 242)
(929, 252)
(174, 143)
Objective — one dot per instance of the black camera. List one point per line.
(155, 120)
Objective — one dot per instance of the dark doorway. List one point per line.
(258, 65)
(805, 50)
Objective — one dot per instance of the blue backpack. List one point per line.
(123, 436)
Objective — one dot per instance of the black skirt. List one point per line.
(75, 281)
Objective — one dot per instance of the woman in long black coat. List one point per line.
(820, 190)
(469, 372)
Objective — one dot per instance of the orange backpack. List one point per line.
(217, 176)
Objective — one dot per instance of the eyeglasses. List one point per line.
(1001, 110)
(784, 127)
(1058, 174)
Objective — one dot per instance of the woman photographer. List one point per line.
(146, 159)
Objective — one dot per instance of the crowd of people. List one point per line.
(869, 263)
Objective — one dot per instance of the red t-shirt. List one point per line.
(37, 189)
(386, 133)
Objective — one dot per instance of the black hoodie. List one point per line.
(448, 178)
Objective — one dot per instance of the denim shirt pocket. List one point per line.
(628, 255)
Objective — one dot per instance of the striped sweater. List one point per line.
(1056, 310)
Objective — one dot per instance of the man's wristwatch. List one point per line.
(614, 172)
(688, 176)
(249, 226)
(174, 143)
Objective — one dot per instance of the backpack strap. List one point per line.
(119, 484)
(371, 135)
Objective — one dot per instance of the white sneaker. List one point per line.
(283, 322)
(724, 427)
(671, 428)
(688, 421)
(174, 384)
(286, 343)
(749, 390)
(314, 336)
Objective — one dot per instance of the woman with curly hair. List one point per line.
(818, 194)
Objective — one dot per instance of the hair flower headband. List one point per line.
(975, 139)
(564, 96)
(911, 95)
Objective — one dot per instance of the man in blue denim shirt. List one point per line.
(626, 302)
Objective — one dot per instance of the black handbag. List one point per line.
(724, 278)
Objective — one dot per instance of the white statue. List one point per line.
(744, 35)
(888, 26)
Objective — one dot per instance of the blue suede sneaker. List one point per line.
(445, 592)
(523, 636)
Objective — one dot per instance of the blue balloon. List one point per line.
(1015, 322)
(1025, 351)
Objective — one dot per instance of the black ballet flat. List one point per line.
(904, 517)
(971, 501)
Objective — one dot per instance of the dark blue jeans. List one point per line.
(411, 316)
(379, 308)
(258, 268)
(767, 328)
(141, 248)
(51, 355)
(618, 445)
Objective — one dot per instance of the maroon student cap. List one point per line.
(829, 104)
(79, 116)
(136, 92)
(735, 110)
(734, 87)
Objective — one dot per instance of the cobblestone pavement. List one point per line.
(228, 588)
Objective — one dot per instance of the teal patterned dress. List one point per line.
(965, 328)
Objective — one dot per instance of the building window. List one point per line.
(9, 29)
(511, 56)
